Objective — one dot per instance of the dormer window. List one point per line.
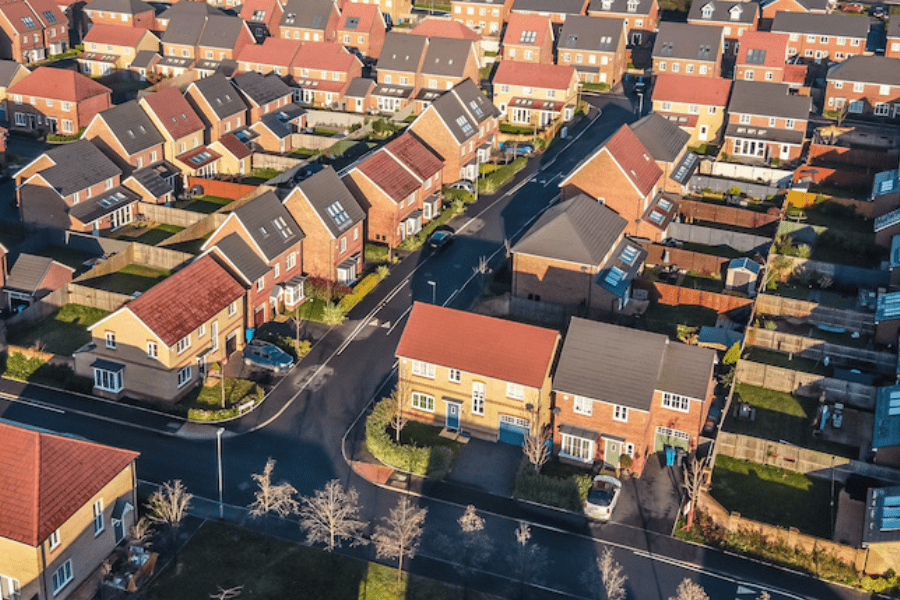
(607, 4)
(707, 11)
(632, 5)
(735, 12)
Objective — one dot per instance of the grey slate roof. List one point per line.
(662, 138)
(180, 10)
(569, 7)
(79, 164)
(325, 188)
(221, 31)
(152, 178)
(184, 30)
(624, 366)
(722, 11)
(221, 96)
(132, 127)
(247, 262)
(768, 100)
(8, 70)
(751, 132)
(446, 57)
(620, 7)
(835, 24)
(28, 272)
(359, 87)
(102, 204)
(269, 224)
(893, 28)
(580, 230)
(308, 14)
(261, 89)
(402, 52)
(143, 59)
(463, 109)
(867, 69)
(590, 33)
(688, 42)
(128, 7)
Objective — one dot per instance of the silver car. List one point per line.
(602, 497)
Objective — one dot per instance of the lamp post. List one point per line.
(433, 291)
(219, 433)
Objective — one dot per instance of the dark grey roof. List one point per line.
(221, 96)
(132, 127)
(688, 42)
(893, 28)
(754, 132)
(446, 57)
(308, 14)
(359, 87)
(184, 30)
(100, 205)
(221, 31)
(225, 67)
(8, 70)
(580, 230)
(153, 178)
(882, 515)
(569, 7)
(128, 7)
(247, 262)
(28, 272)
(278, 127)
(463, 109)
(269, 224)
(333, 202)
(43, 206)
(662, 138)
(402, 52)
(722, 11)
(768, 100)
(642, 7)
(170, 61)
(393, 90)
(181, 10)
(687, 370)
(818, 24)
(621, 267)
(79, 164)
(143, 59)
(591, 33)
(867, 69)
(261, 89)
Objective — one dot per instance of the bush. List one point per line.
(382, 446)
(567, 493)
(359, 292)
(59, 137)
(502, 176)
(376, 253)
(35, 370)
(516, 129)
(733, 355)
(382, 271)
(333, 314)
(595, 87)
(454, 194)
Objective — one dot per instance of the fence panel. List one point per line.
(675, 295)
(705, 211)
(742, 242)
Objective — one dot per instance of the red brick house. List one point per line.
(558, 11)
(32, 30)
(56, 101)
(399, 187)
(333, 222)
(433, 27)
(273, 55)
(32, 278)
(818, 37)
(361, 27)
(865, 85)
(127, 136)
(595, 47)
(763, 56)
(128, 13)
(310, 20)
(397, 71)
(696, 104)
(263, 17)
(528, 38)
(765, 123)
(642, 393)
(682, 48)
(485, 17)
(321, 72)
(218, 104)
(112, 47)
(735, 18)
(640, 16)
(181, 128)
(770, 8)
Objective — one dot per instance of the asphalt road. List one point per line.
(303, 420)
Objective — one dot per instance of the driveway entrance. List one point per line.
(487, 466)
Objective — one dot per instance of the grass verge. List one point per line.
(205, 402)
(61, 332)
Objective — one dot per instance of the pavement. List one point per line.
(487, 466)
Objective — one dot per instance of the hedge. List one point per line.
(35, 370)
(502, 176)
(360, 291)
(382, 446)
(565, 493)
(516, 129)
(455, 194)
(414, 241)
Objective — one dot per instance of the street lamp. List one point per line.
(433, 291)
(219, 433)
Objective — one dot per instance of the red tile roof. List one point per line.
(444, 28)
(692, 89)
(16, 10)
(117, 35)
(47, 478)
(181, 303)
(173, 112)
(58, 84)
(328, 56)
(633, 158)
(415, 155)
(479, 344)
(775, 45)
(519, 23)
(557, 77)
(794, 74)
(389, 175)
(273, 51)
(235, 146)
(366, 13)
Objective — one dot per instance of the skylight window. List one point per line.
(28, 22)
(283, 228)
(656, 217)
(351, 23)
(200, 158)
(464, 125)
(664, 204)
(131, 134)
(51, 18)
(290, 17)
(475, 108)
(263, 231)
(614, 277)
(629, 254)
(258, 16)
(338, 214)
(571, 40)
(528, 37)
(317, 21)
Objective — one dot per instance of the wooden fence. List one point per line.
(817, 349)
(815, 314)
(222, 189)
(801, 383)
(160, 213)
(676, 295)
(658, 254)
(706, 211)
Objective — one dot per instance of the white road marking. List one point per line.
(33, 403)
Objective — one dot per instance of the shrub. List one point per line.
(516, 129)
(454, 194)
(502, 176)
(59, 137)
(333, 314)
(19, 366)
(382, 446)
(376, 253)
(382, 271)
(733, 355)
(359, 292)
(35, 370)
(566, 493)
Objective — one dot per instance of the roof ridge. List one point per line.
(37, 489)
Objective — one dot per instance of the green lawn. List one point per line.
(68, 256)
(260, 176)
(700, 282)
(223, 556)
(204, 403)
(156, 235)
(423, 434)
(665, 318)
(129, 279)
(207, 204)
(190, 246)
(61, 332)
(774, 496)
(780, 359)
(311, 310)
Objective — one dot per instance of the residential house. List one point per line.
(310, 20)
(528, 38)
(74, 186)
(447, 62)
(272, 55)
(361, 27)
(735, 18)
(179, 11)
(533, 94)
(219, 106)
(697, 104)
(623, 391)
(358, 96)
(182, 130)
(399, 187)
(235, 157)
(321, 73)
(576, 255)
(865, 85)
(55, 101)
(32, 278)
(558, 11)
(770, 8)
(32, 30)
(667, 145)
(180, 39)
(72, 503)
(763, 56)
(682, 48)
(886, 426)
(595, 47)
(223, 38)
(485, 17)
(433, 27)
(880, 531)
(765, 122)
(270, 232)
(111, 47)
(272, 114)
(640, 16)
(127, 136)
(488, 377)
(263, 17)
(333, 222)
(10, 73)
(128, 13)
(398, 71)
(156, 183)
(892, 41)
(159, 345)
(818, 37)
(462, 128)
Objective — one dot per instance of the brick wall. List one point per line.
(852, 156)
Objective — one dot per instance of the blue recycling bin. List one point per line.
(670, 456)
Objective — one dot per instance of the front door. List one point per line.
(452, 415)
(636, 39)
(231, 343)
(704, 133)
(612, 453)
(785, 152)
(201, 366)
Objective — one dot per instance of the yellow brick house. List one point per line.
(535, 94)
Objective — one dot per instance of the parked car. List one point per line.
(464, 185)
(879, 11)
(713, 416)
(518, 149)
(267, 356)
(602, 497)
(854, 7)
(441, 238)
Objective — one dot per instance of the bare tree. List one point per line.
(271, 497)
(536, 449)
(476, 546)
(227, 594)
(527, 559)
(688, 590)
(764, 595)
(611, 575)
(693, 484)
(398, 419)
(168, 506)
(399, 536)
(331, 515)
(139, 533)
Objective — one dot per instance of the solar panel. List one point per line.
(351, 23)
(892, 218)
(571, 40)
(28, 22)
(891, 501)
(890, 512)
(629, 254)
(51, 18)
(317, 22)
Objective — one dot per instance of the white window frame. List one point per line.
(515, 391)
(423, 369)
(183, 344)
(577, 448)
(582, 406)
(184, 375)
(109, 381)
(54, 540)
(291, 261)
(421, 401)
(152, 349)
(232, 308)
(744, 119)
(479, 392)
(99, 525)
(111, 340)
(454, 375)
(62, 576)
(620, 413)
(676, 402)
(9, 588)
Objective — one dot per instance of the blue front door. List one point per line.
(452, 416)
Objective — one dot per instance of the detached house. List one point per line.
(447, 62)
(182, 130)
(55, 101)
(310, 20)
(528, 38)
(763, 56)
(558, 11)
(128, 13)
(160, 345)
(533, 94)
(361, 27)
(72, 503)
(667, 144)
(696, 104)
(735, 18)
(622, 391)
(765, 122)
(686, 49)
(112, 47)
(333, 222)
(817, 37)
(595, 47)
(32, 30)
(398, 70)
(868, 85)
(488, 377)
(10, 73)
(127, 136)
(399, 187)
(640, 16)
(485, 17)
(218, 104)
(263, 17)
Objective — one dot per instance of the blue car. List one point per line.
(519, 149)
(267, 356)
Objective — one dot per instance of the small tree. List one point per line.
(398, 419)
(625, 462)
(476, 547)
(733, 355)
(399, 536)
(331, 515)
(536, 449)
(333, 314)
(688, 590)
(168, 506)
(139, 533)
(272, 497)
(693, 483)
(611, 575)
(227, 594)
(527, 560)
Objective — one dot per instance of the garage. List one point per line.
(513, 430)
(671, 437)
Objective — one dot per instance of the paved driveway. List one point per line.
(488, 466)
(652, 501)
